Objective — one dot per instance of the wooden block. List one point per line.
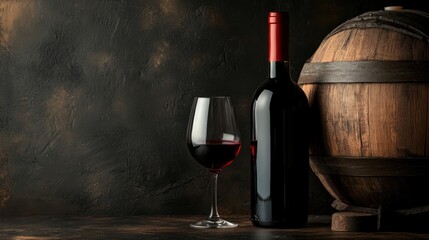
(354, 222)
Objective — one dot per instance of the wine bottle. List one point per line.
(279, 139)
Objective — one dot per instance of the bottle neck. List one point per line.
(279, 69)
(278, 49)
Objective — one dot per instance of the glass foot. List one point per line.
(220, 223)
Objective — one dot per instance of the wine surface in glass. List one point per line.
(215, 154)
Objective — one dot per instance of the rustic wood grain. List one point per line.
(173, 227)
(370, 137)
(371, 44)
(354, 221)
(370, 120)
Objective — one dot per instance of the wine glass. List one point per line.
(214, 141)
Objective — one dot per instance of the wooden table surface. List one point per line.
(172, 227)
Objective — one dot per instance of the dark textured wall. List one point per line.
(95, 98)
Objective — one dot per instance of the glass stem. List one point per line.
(214, 215)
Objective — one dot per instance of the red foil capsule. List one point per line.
(278, 24)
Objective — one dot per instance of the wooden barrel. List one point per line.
(368, 89)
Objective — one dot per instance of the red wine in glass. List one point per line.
(214, 142)
(215, 154)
